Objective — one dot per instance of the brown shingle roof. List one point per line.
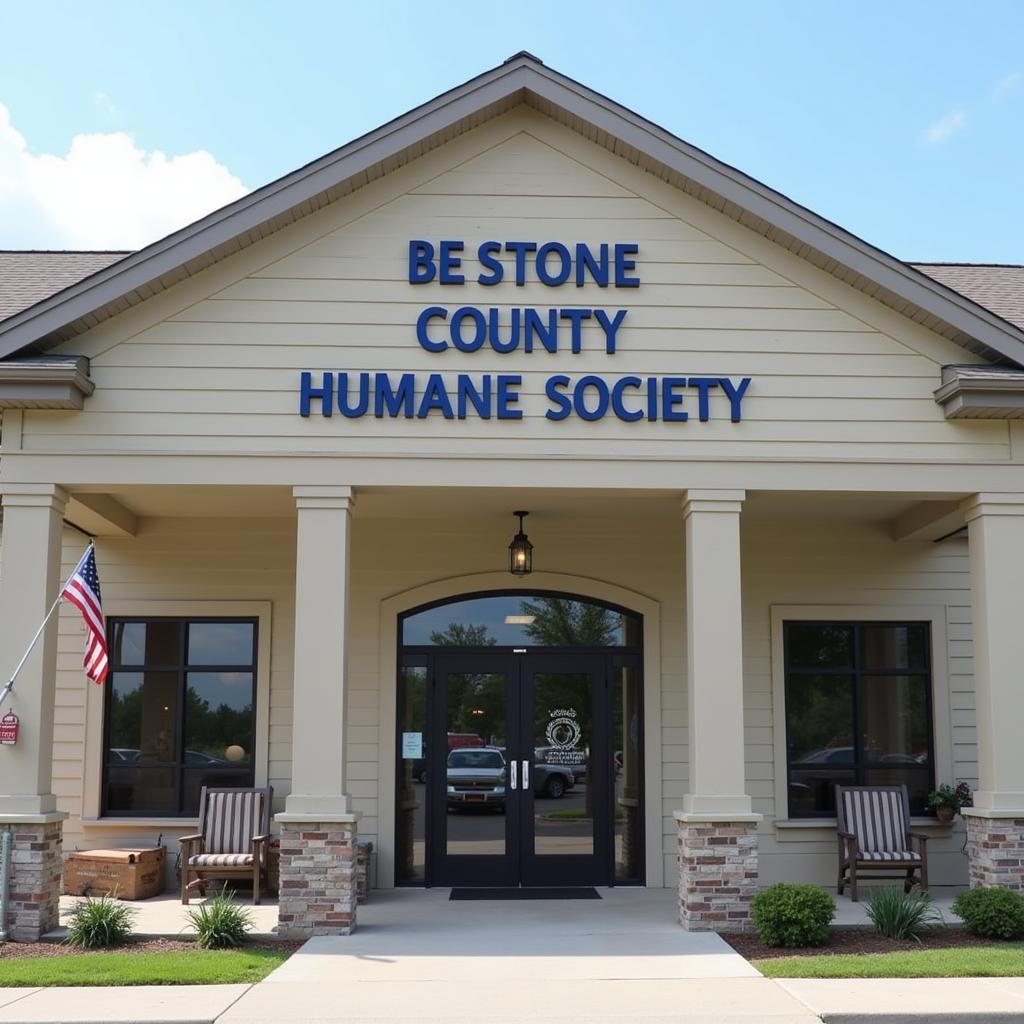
(27, 277)
(997, 287)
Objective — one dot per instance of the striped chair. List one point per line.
(874, 835)
(234, 829)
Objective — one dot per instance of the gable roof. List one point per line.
(522, 79)
(998, 287)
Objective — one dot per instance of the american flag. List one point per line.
(83, 591)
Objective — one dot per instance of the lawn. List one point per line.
(182, 967)
(1005, 960)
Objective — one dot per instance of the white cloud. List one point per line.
(946, 127)
(105, 193)
(1007, 85)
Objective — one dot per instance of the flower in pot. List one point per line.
(948, 800)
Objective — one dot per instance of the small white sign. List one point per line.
(412, 745)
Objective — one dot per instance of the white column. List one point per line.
(995, 524)
(714, 656)
(319, 714)
(29, 581)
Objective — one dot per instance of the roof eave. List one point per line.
(45, 383)
(973, 392)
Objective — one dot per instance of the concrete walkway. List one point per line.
(420, 959)
(164, 915)
(651, 1001)
(184, 1004)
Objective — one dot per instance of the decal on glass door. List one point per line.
(563, 734)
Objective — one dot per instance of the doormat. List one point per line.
(587, 892)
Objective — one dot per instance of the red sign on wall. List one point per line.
(9, 729)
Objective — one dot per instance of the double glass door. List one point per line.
(519, 770)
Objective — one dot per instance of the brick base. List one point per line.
(318, 879)
(717, 875)
(995, 851)
(36, 864)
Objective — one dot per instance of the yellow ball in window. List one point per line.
(235, 752)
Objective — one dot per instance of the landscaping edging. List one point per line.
(857, 939)
(27, 950)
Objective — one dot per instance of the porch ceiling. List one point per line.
(459, 503)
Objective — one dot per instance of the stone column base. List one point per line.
(717, 874)
(36, 864)
(318, 888)
(995, 851)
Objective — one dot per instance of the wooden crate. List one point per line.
(131, 873)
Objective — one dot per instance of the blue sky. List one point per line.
(901, 121)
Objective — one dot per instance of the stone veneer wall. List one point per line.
(36, 865)
(318, 888)
(995, 851)
(717, 875)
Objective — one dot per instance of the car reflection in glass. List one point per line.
(477, 777)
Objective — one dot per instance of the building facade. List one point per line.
(775, 485)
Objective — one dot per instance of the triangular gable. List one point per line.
(520, 80)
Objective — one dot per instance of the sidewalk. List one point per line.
(153, 1004)
(417, 958)
(649, 1001)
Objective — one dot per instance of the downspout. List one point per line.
(5, 880)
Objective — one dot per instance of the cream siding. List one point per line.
(820, 561)
(836, 563)
(213, 364)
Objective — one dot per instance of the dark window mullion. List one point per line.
(182, 697)
(803, 671)
(858, 708)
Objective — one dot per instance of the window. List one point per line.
(520, 620)
(180, 712)
(858, 711)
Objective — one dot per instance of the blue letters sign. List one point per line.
(528, 329)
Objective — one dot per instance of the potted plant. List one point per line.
(947, 801)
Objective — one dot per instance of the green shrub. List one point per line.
(995, 913)
(220, 923)
(901, 915)
(100, 922)
(793, 915)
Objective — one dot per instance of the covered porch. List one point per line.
(326, 570)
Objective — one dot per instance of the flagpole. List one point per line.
(9, 685)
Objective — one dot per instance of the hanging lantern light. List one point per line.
(520, 551)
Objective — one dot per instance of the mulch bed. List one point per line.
(856, 940)
(18, 950)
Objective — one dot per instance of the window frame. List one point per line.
(942, 760)
(521, 593)
(858, 673)
(182, 669)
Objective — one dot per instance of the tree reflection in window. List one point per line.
(462, 635)
(560, 622)
(521, 620)
(180, 712)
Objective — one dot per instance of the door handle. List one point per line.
(526, 775)
(512, 765)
